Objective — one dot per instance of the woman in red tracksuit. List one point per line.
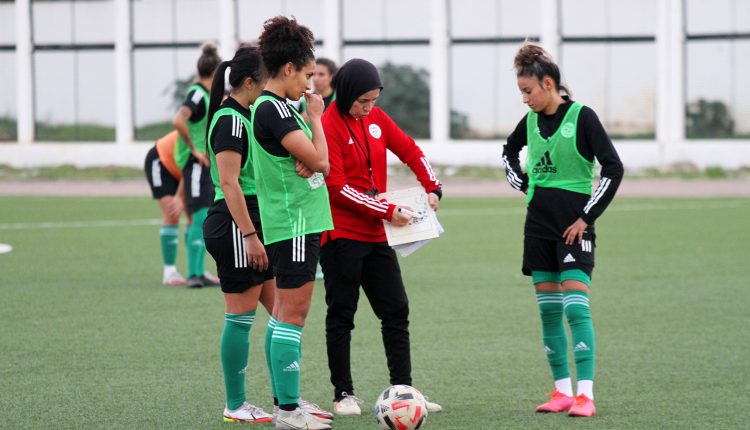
(356, 253)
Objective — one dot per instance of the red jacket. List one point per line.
(357, 215)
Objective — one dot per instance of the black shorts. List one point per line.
(295, 260)
(225, 244)
(162, 182)
(199, 189)
(555, 256)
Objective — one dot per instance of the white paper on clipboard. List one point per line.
(420, 229)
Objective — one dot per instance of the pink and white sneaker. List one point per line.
(173, 279)
(314, 410)
(247, 413)
(583, 407)
(558, 403)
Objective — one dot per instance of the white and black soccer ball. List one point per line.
(401, 407)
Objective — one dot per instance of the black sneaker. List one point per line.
(194, 282)
(208, 282)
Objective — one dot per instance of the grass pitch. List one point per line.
(89, 339)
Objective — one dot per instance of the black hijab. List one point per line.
(353, 79)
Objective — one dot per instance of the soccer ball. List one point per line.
(401, 407)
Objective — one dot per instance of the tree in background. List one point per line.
(178, 88)
(406, 99)
(708, 118)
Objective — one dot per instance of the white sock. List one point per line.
(564, 386)
(168, 270)
(586, 387)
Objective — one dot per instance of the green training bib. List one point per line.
(290, 205)
(555, 162)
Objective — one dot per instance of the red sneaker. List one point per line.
(583, 407)
(558, 403)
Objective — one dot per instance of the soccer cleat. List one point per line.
(348, 405)
(173, 279)
(583, 407)
(247, 413)
(432, 406)
(314, 410)
(210, 277)
(209, 280)
(194, 282)
(558, 403)
(298, 419)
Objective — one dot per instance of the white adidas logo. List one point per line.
(548, 350)
(569, 259)
(581, 347)
(294, 367)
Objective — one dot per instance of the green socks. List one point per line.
(553, 333)
(235, 348)
(269, 336)
(169, 241)
(576, 305)
(285, 357)
(195, 244)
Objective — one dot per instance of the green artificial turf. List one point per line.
(90, 339)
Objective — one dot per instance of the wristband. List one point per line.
(245, 236)
(438, 192)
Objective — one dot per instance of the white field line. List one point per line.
(81, 224)
(731, 204)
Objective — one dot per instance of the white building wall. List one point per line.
(670, 145)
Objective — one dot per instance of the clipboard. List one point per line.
(420, 230)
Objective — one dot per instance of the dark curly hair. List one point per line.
(284, 40)
(533, 60)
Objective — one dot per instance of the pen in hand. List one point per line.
(410, 213)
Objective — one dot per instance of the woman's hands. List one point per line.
(574, 233)
(256, 253)
(315, 106)
(433, 200)
(400, 219)
(201, 157)
(302, 170)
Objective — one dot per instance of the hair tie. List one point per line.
(227, 84)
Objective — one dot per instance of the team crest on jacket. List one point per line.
(375, 131)
(567, 130)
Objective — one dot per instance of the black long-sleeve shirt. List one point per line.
(592, 142)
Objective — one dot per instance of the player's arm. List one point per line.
(516, 177)
(229, 164)
(404, 147)
(597, 143)
(340, 192)
(180, 122)
(314, 156)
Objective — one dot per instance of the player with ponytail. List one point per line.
(564, 140)
(189, 154)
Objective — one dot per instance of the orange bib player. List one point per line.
(164, 178)
(165, 149)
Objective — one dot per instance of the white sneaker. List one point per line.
(314, 410)
(432, 406)
(348, 405)
(299, 420)
(247, 413)
(173, 279)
